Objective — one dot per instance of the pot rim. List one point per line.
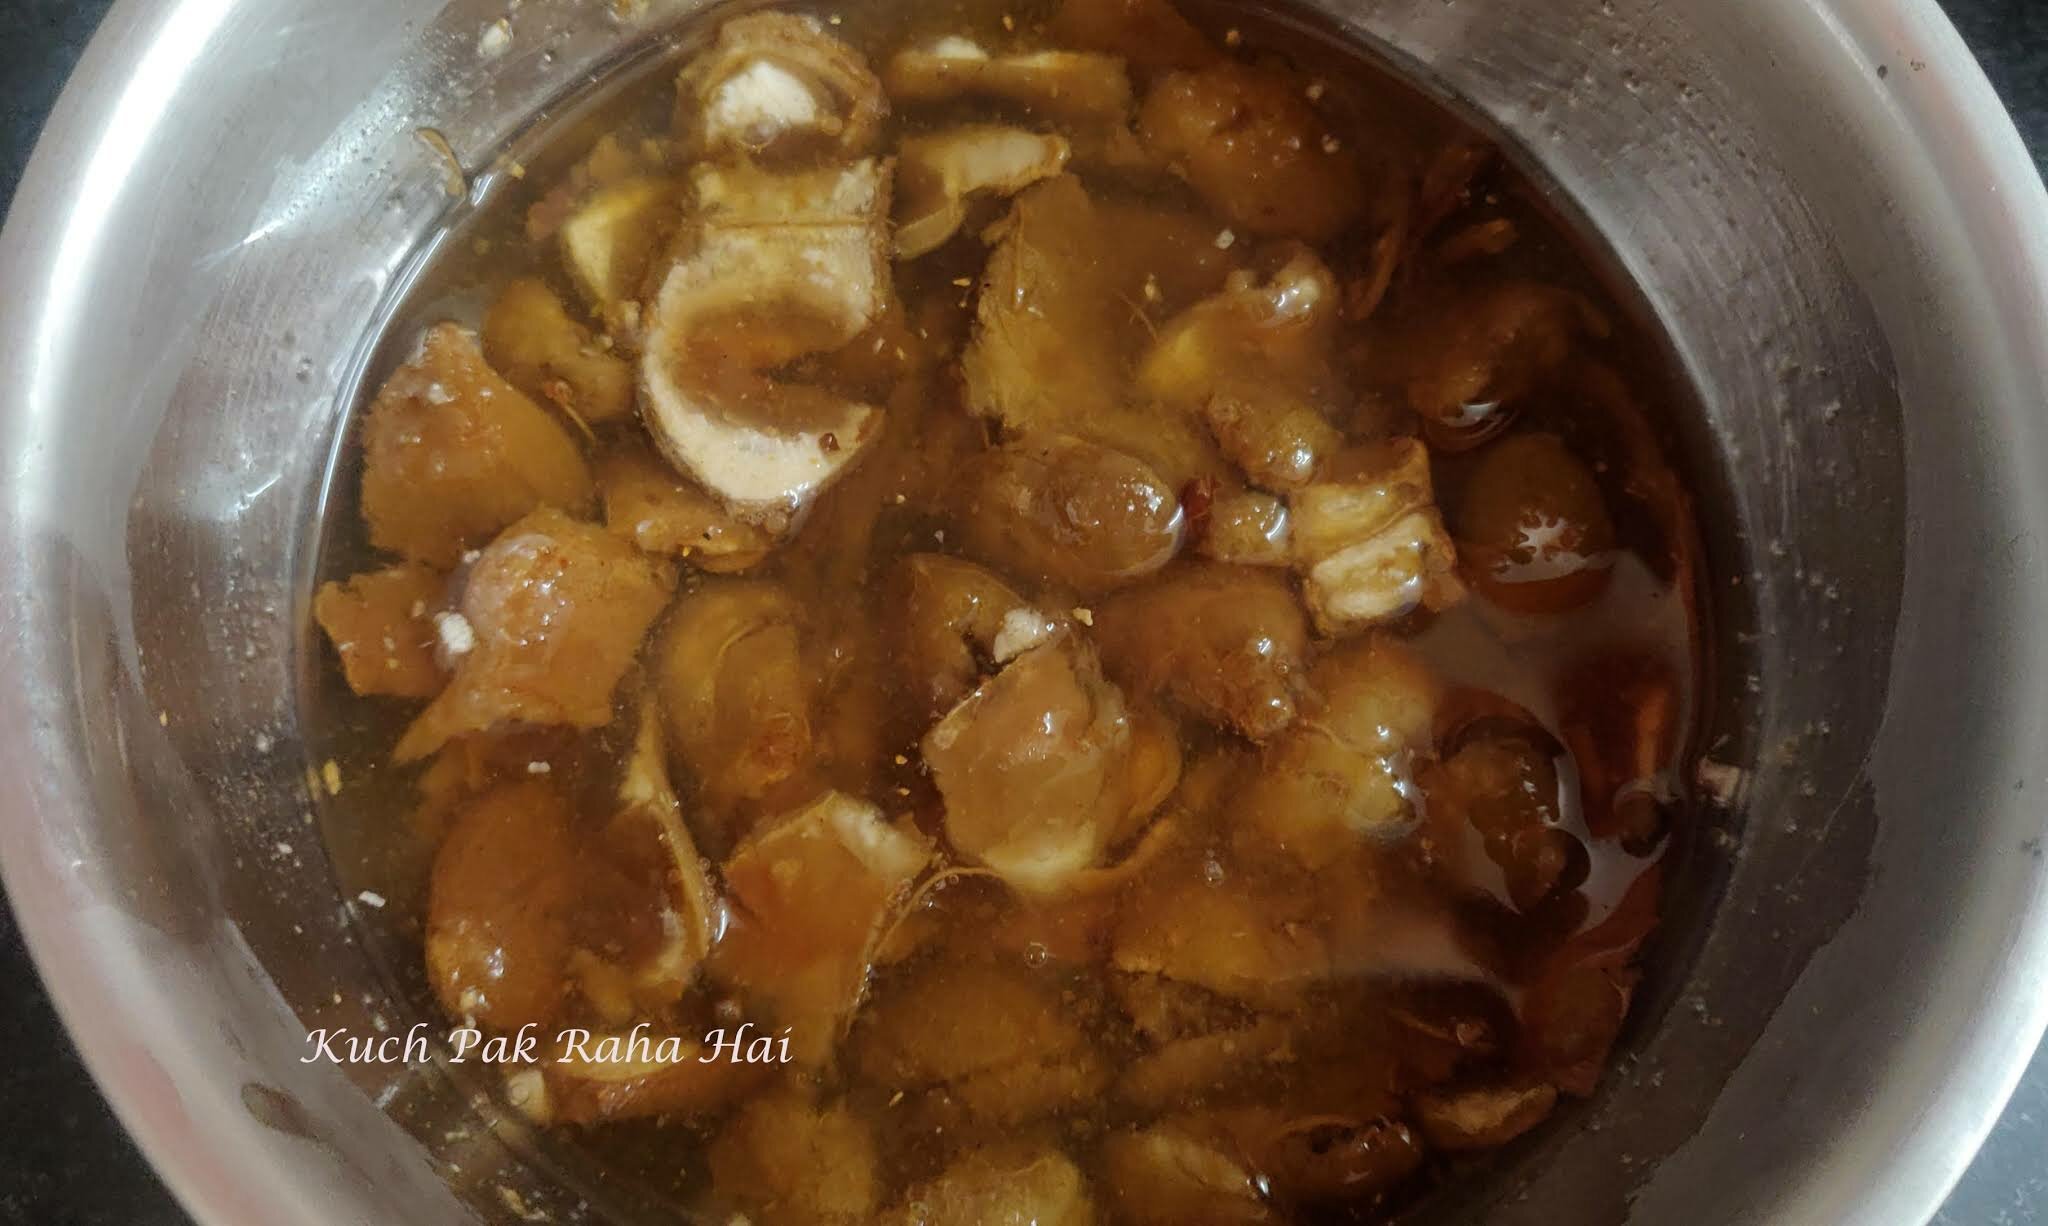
(1950, 124)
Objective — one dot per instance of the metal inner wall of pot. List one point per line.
(1827, 990)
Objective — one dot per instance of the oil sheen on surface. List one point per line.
(1106, 578)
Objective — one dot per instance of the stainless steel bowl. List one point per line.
(1831, 216)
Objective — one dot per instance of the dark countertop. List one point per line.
(64, 1160)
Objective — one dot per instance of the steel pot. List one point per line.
(1831, 217)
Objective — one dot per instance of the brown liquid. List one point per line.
(1438, 969)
